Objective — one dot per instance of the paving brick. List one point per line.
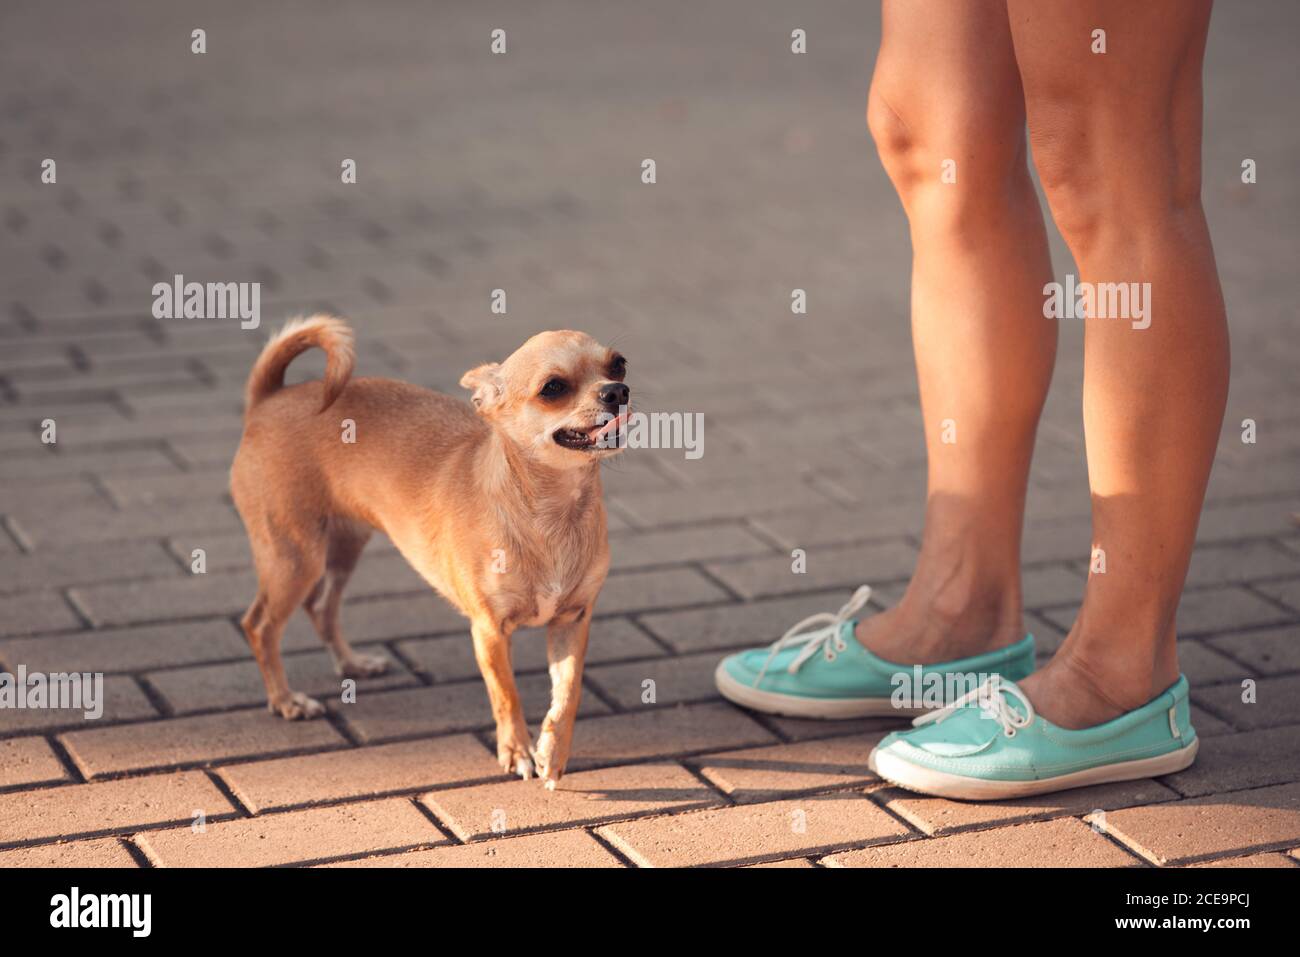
(794, 862)
(808, 729)
(1051, 585)
(383, 619)
(87, 564)
(64, 527)
(1221, 522)
(206, 487)
(181, 742)
(360, 772)
(813, 824)
(663, 732)
(1271, 859)
(1211, 826)
(1203, 611)
(731, 626)
(767, 774)
(29, 761)
(827, 567)
(451, 658)
(122, 701)
(1203, 665)
(1287, 592)
(1270, 652)
(34, 613)
(649, 509)
(80, 810)
(936, 816)
(643, 591)
(239, 684)
(584, 798)
(128, 649)
(1277, 702)
(680, 545)
(1066, 842)
(1225, 564)
(462, 706)
(195, 596)
(547, 849)
(37, 465)
(295, 837)
(676, 680)
(107, 852)
(840, 525)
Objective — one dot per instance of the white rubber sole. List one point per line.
(942, 784)
(826, 709)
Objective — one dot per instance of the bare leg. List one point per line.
(946, 88)
(1117, 140)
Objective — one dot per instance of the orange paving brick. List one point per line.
(107, 806)
(107, 852)
(1211, 826)
(295, 837)
(548, 849)
(765, 774)
(28, 761)
(1271, 859)
(939, 816)
(510, 807)
(1066, 842)
(752, 833)
(661, 732)
(182, 742)
(359, 772)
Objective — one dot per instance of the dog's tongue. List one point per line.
(613, 425)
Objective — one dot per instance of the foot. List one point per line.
(1072, 694)
(994, 745)
(296, 706)
(927, 626)
(358, 665)
(817, 670)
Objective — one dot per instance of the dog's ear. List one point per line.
(485, 385)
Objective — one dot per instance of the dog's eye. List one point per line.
(617, 367)
(553, 388)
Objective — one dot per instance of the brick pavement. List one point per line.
(522, 172)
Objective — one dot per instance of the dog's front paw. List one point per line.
(551, 759)
(516, 758)
(363, 666)
(296, 707)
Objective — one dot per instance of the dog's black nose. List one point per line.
(614, 394)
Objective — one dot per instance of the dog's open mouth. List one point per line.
(599, 437)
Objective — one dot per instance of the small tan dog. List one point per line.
(497, 506)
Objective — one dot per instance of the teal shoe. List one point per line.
(992, 745)
(826, 673)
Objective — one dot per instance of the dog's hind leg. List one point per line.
(347, 540)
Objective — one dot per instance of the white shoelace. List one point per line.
(825, 638)
(992, 704)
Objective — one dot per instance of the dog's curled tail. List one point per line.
(297, 336)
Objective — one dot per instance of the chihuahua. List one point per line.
(497, 504)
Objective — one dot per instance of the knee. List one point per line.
(964, 148)
(1109, 177)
